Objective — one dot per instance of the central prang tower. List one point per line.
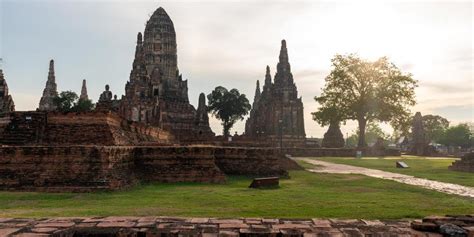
(156, 93)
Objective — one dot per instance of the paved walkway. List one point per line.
(328, 167)
(215, 227)
(206, 227)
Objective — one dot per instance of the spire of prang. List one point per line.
(84, 95)
(50, 90)
(202, 101)
(283, 52)
(283, 75)
(51, 76)
(257, 89)
(268, 77)
(139, 38)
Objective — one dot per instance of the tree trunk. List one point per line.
(226, 128)
(362, 125)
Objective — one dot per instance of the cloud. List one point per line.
(230, 43)
(446, 87)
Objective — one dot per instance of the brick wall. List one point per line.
(89, 128)
(338, 152)
(249, 161)
(90, 168)
(58, 169)
(177, 164)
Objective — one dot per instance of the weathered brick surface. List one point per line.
(59, 169)
(245, 161)
(177, 164)
(166, 226)
(89, 168)
(90, 128)
(337, 152)
(466, 164)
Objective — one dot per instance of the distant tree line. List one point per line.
(436, 129)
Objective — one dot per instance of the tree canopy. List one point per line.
(228, 106)
(357, 89)
(459, 135)
(68, 101)
(434, 126)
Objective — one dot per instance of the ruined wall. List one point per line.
(320, 152)
(61, 169)
(338, 152)
(249, 161)
(89, 128)
(177, 164)
(90, 168)
(101, 128)
(465, 164)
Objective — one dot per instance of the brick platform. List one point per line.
(171, 226)
(90, 168)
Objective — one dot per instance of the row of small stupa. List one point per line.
(46, 102)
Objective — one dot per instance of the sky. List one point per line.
(229, 43)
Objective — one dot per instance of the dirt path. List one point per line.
(333, 168)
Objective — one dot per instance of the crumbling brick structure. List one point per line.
(90, 168)
(88, 128)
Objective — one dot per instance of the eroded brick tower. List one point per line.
(156, 93)
(50, 91)
(278, 111)
(6, 101)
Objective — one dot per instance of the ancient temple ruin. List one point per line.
(50, 91)
(156, 93)
(277, 112)
(6, 101)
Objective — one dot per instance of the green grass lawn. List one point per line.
(305, 195)
(434, 169)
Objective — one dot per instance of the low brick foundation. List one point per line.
(466, 164)
(338, 152)
(250, 161)
(176, 226)
(62, 169)
(177, 164)
(89, 168)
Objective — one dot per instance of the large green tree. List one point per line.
(228, 106)
(459, 135)
(64, 102)
(434, 126)
(366, 91)
(68, 101)
(83, 105)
